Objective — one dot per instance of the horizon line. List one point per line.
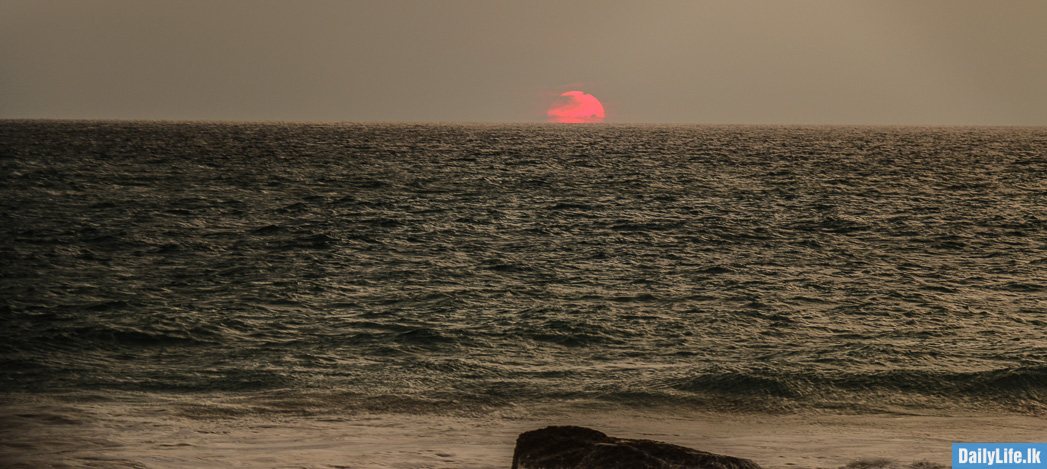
(584, 124)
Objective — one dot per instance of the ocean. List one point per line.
(314, 271)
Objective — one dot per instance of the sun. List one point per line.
(576, 107)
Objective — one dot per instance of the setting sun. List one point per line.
(576, 107)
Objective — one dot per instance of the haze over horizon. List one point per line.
(957, 62)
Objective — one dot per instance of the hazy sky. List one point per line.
(729, 61)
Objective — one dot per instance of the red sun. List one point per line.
(576, 107)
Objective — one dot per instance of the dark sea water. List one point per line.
(331, 268)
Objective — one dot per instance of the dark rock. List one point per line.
(584, 448)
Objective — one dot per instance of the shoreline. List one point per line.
(118, 435)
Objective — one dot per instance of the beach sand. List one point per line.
(57, 435)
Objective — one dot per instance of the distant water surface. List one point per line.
(315, 268)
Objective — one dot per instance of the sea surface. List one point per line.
(229, 269)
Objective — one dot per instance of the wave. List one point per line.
(1012, 390)
(1022, 389)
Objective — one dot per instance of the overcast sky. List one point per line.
(980, 62)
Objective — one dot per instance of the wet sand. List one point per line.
(57, 435)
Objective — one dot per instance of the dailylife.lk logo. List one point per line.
(999, 455)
